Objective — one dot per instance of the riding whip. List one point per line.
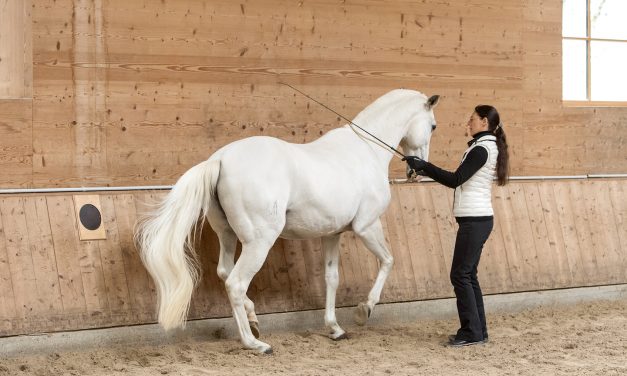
(343, 117)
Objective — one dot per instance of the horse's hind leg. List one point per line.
(331, 247)
(374, 240)
(228, 244)
(250, 261)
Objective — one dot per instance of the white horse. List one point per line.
(261, 188)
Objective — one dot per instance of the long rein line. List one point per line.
(378, 141)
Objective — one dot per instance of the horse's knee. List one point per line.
(223, 273)
(332, 278)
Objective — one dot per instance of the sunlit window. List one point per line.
(594, 50)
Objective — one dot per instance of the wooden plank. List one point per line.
(314, 267)
(65, 239)
(447, 228)
(520, 265)
(16, 142)
(432, 248)
(43, 254)
(279, 289)
(524, 238)
(141, 288)
(603, 232)
(402, 276)
(547, 262)
(115, 280)
(201, 304)
(494, 275)
(582, 226)
(297, 272)
(353, 284)
(27, 302)
(421, 273)
(93, 278)
(560, 263)
(16, 65)
(7, 297)
(572, 248)
(619, 207)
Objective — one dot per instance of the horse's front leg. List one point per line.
(374, 240)
(331, 247)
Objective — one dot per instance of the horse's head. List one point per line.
(418, 136)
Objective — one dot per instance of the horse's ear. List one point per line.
(432, 102)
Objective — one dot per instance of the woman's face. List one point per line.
(476, 124)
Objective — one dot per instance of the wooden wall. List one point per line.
(547, 235)
(135, 92)
(119, 93)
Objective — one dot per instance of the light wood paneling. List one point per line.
(16, 139)
(20, 258)
(547, 235)
(127, 93)
(16, 49)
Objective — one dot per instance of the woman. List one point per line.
(485, 158)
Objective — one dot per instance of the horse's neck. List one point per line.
(389, 128)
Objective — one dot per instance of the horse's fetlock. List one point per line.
(249, 305)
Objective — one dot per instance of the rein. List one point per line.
(377, 141)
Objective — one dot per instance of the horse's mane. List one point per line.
(389, 101)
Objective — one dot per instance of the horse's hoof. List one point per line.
(340, 337)
(268, 351)
(254, 327)
(362, 313)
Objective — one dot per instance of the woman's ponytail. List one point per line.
(496, 127)
(502, 161)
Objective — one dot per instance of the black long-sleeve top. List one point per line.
(475, 159)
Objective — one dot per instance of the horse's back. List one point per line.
(314, 185)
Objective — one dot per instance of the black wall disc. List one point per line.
(90, 217)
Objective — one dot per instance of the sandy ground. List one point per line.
(585, 339)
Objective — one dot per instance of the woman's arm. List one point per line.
(475, 159)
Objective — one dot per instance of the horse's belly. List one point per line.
(299, 225)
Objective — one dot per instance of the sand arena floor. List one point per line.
(584, 339)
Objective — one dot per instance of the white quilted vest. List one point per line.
(474, 197)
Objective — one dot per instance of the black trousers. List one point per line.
(471, 236)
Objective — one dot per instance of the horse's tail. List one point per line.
(166, 241)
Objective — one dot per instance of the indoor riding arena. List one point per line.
(104, 105)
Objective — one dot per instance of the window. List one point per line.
(594, 52)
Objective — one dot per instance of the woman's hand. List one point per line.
(415, 163)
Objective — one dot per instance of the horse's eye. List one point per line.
(433, 126)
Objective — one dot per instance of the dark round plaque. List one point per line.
(90, 217)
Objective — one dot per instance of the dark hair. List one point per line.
(495, 126)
